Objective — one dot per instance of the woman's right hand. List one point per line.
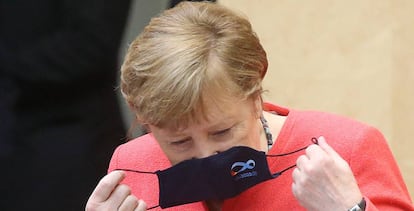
(109, 194)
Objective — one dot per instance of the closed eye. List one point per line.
(180, 142)
(222, 132)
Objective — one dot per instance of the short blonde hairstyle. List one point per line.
(191, 52)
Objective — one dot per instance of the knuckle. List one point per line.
(133, 198)
(124, 188)
(300, 160)
(326, 162)
(129, 203)
(312, 148)
(105, 184)
(297, 191)
(91, 206)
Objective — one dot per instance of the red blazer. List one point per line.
(362, 146)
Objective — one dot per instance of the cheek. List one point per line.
(254, 139)
(174, 157)
(250, 136)
(254, 135)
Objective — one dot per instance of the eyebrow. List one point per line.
(226, 121)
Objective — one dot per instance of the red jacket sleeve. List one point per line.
(378, 175)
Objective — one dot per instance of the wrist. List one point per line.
(360, 206)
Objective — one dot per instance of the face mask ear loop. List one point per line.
(153, 207)
(314, 140)
(136, 171)
(283, 171)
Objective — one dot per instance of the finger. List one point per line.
(129, 204)
(105, 187)
(295, 175)
(326, 147)
(142, 206)
(119, 195)
(295, 190)
(314, 151)
(301, 161)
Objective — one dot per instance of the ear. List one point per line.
(258, 106)
(146, 127)
(141, 124)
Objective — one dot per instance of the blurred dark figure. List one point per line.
(59, 115)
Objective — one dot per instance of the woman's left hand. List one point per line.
(322, 180)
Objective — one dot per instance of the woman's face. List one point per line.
(236, 124)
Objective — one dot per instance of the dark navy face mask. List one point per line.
(216, 177)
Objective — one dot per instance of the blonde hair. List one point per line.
(191, 52)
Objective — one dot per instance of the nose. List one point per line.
(207, 150)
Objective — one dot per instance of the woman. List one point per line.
(194, 79)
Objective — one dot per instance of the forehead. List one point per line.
(211, 112)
